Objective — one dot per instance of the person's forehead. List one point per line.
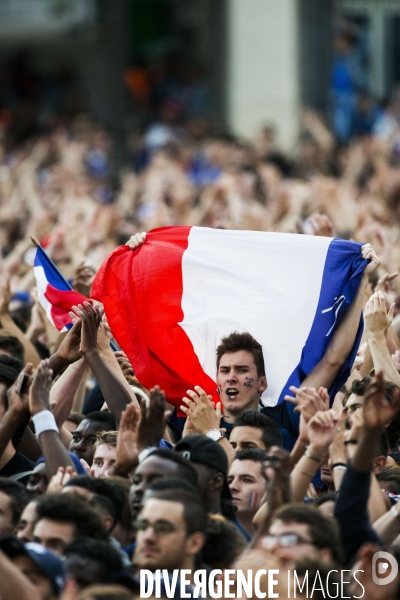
(54, 529)
(245, 467)
(155, 509)
(156, 465)
(354, 399)
(88, 427)
(105, 451)
(235, 359)
(29, 512)
(279, 527)
(245, 433)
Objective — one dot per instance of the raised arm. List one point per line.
(325, 372)
(54, 452)
(114, 391)
(377, 321)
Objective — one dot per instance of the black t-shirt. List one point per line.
(18, 464)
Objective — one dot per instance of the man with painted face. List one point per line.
(85, 435)
(241, 377)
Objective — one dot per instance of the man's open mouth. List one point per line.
(232, 393)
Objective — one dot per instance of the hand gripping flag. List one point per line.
(55, 294)
(170, 302)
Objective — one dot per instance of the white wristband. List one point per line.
(44, 421)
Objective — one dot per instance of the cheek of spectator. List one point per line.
(6, 515)
(26, 523)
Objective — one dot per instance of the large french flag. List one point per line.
(54, 292)
(170, 302)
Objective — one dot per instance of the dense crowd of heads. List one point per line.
(109, 484)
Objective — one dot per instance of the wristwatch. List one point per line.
(214, 434)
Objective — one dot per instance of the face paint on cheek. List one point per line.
(248, 382)
(219, 390)
(252, 500)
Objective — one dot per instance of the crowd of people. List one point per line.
(99, 478)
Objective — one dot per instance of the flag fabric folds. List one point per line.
(170, 302)
(55, 294)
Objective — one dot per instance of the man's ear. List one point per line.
(263, 384)
(216, 482)
(194, 543)
(379, 464)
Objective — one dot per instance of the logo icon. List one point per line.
(386, 560)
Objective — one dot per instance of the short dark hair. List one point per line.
(102, 487)
(75, 417)
(324, 531)
(329, 497)
(186, 468)
(99, 551)
(223, 544)
(359, 386)
(171, 483)
(105, 417)
(389, 478)
(9, 343)
(271, 436)
(194, 513)
(254, 454)
(69, 508)
(18, 495)
(242, 341)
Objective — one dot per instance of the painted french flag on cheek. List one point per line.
(54, 292)
(170, 302)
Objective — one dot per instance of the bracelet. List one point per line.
(313, 455)
(44, 421)
(355, 442)
(339, 466)
(395, 512)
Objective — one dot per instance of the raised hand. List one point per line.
(309, 401)
(91, 319)
(57, 482)
(376, 317)
(40, 389)
(136, 240)
(69, 349)
(153, 420)
(322, 429)
(83, 279)
(127, 448)
(200, 410)
(367, 251)
(377, 410)
(17, 396)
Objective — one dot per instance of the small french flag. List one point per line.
(54, 292)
